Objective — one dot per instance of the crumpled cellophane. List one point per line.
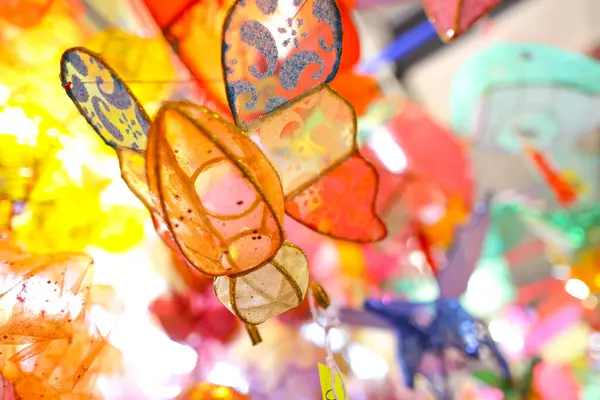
(49, 348)
(213, 195)
(277, 59)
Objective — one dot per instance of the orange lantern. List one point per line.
(213, 195)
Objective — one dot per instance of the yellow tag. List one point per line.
(326, 389)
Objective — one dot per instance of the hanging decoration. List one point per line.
(290, 94)
(193, 160)
(454, 18)
(444, 323)
(210, 391)
(536, 108)
(63, 351)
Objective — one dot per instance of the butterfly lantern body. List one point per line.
(214, 189)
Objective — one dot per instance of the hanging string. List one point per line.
(68, 85)
(327, 320)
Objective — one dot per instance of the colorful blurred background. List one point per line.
(488, 154)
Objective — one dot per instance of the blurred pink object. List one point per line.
(308, 240)
(452, 18)
(420, 182)
(555, 382)
(489, 393)
(202, 314)
(381, 264)
(550, 326)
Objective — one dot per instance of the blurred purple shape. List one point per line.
(465, 252)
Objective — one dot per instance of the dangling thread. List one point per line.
(327, 320)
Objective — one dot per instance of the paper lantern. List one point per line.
(535, 101)
(210, 391)
(220, 197)
(213, 195)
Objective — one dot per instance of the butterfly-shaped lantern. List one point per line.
(214, 195)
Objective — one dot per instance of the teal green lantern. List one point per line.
(549, 98)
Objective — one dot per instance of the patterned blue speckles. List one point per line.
(78, 90)
(258, 36)
(104, 100)
(75, 60)
(290, 71)
(327, 12)
(279, 55)
(293, 32)
(274, 102)
(268, 7)
(120, 97)
(237, 88)
(97, 103)
(143, 121)
(131, 127)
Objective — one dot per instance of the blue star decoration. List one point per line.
(450, 327)
(433, 327)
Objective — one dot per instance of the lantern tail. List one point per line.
(254, 334)
(320, 295)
